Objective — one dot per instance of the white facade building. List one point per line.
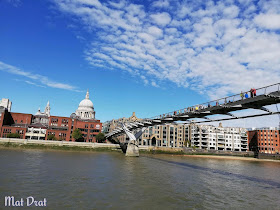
(36, 133)
(6, 103)
(218, 138)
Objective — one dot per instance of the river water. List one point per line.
(109, 180)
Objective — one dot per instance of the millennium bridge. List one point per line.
(265, 96)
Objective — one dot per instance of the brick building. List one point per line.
(42, 124)
(264, 140)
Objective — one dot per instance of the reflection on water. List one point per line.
(227, 174)
(82, 180)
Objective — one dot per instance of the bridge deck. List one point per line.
(258, 102)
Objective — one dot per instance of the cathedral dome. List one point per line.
(86, 109)
(86, 103)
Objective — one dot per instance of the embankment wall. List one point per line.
(58, 143)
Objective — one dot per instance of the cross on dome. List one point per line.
(87, 95)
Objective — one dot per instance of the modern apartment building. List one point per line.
(218, 138)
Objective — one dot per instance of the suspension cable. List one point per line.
(278, 114)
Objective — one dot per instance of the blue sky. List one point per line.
(149, 57)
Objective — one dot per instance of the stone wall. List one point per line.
(218, 152)
(269, 156)
(59, 143)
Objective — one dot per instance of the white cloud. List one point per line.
(268, 21)
(160, 4)
(154, 84)
(146, 82)
(32, 83)
(161, 19)
(155, 31)
(95, 3)
(231, 12)
(36, 77)
(213, 47)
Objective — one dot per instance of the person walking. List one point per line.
(254, 92)
(241, 95)
(251, 92)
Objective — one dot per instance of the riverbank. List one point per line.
(53, 147)
(6, 143)
(56, 145)
(17, 146)
(230, 158)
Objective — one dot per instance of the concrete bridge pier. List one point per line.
(132, 149)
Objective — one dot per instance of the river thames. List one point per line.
(109, 180)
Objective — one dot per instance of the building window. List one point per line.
(54, 120)
(64, 121)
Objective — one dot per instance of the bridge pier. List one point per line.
(132, 149)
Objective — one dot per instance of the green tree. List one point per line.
(51, 137)
(77, 135)
(13, 135)
(187, 143)
(100, 138)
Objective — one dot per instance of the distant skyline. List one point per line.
(150, 57)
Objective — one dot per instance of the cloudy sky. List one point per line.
(149, 57)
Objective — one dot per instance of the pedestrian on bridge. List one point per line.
(254, 92)
(251, 93)
(241, 95)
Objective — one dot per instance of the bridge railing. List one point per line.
(219, 102)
